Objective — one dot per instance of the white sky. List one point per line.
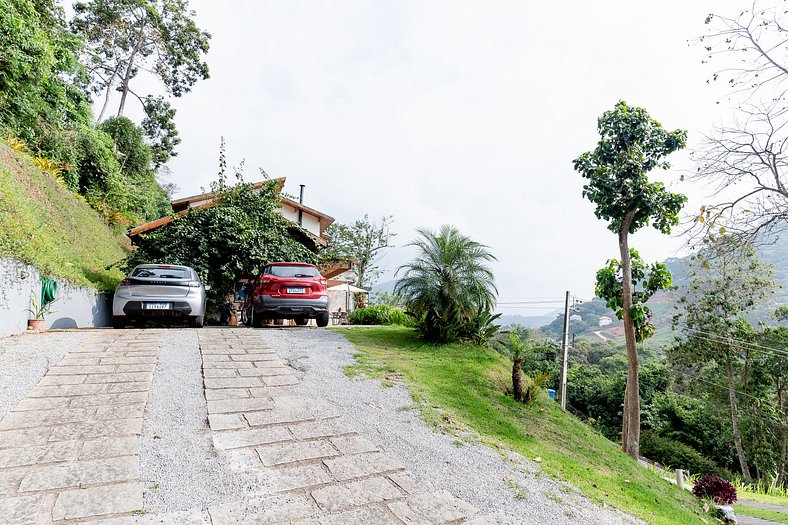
(467, 113)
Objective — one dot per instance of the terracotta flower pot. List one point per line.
(36, 325)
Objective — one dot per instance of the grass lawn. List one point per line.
(762, 498)
(45, 225)
(764, 514)
(461, 387)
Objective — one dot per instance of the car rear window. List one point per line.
(161, 273)
(293, 271)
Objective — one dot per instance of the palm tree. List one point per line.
(448, 284)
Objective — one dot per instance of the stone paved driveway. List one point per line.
(69, 452)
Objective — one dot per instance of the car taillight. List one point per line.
(125, 282)
(194, 284)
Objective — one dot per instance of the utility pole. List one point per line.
(564, 354)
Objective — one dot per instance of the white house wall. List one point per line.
(309, 222)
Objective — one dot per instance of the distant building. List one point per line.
(604, 320)
(575, 317)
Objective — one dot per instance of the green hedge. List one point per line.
(379, 314)
(675, 454)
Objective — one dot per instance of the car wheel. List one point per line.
(118, 321)
(198, 321)
(323, 319)
(301, 321)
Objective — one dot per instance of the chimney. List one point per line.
(301, 201)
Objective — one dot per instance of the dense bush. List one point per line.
(379, 314)
(716, 488)
(675, 454)
(235, 238)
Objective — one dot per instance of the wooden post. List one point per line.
(680, 478)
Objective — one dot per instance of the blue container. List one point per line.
(551, 393)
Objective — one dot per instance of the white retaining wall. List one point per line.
(75, 307)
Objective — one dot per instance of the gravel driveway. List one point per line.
(25, 358)
(473, 472)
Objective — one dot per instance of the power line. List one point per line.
(726, 340)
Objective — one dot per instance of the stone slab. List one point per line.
(231, 382)
(98, 501)
(110, 447)
(319, 428)
(37, 454)
(353, 444)
(281, 454)
(119, 388)
(67, 390)
(226, 421)
(80, 473)
(228, 406)
(250, 438)
(370, 490)
(280, 380)
(300, 477)
(433, 507)
(97, 429)
(22, 510)
(226, 393)
(109, 399)
(372, 515)
(361, 465)
(278, 509)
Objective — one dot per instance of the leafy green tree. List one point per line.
(40, 75)
(124, 37)
(726, 281)
(646, 281)
(448, 284)
(363, 240)
(159, 126)
(631, 145)
(775, 366)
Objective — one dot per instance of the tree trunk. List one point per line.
(130, 68)
(745, 470)
(110, 83)
(781, 434)
(630, 430)
(517, 378)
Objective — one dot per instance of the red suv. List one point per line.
(288, 290)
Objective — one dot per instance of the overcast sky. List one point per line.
(467, 113)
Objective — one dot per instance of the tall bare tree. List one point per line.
(743, 160)
(746, 164)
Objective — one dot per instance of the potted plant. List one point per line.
(37, 312)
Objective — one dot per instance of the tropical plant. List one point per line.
(716, 488)
(39, 308)
(448, 285)
(515, 349)
(379, 314)
(631, 144)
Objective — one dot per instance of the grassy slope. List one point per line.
(45, 225)
(762, 498)
(764, 514)
(465, 384)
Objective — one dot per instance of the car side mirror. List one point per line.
(207, 287)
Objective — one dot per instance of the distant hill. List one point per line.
(529, 321)
(774, 252)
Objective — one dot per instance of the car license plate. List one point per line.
(296, 290)
(157, 306)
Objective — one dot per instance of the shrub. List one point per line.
(675, 453)
(379, 314)
(716, 488)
